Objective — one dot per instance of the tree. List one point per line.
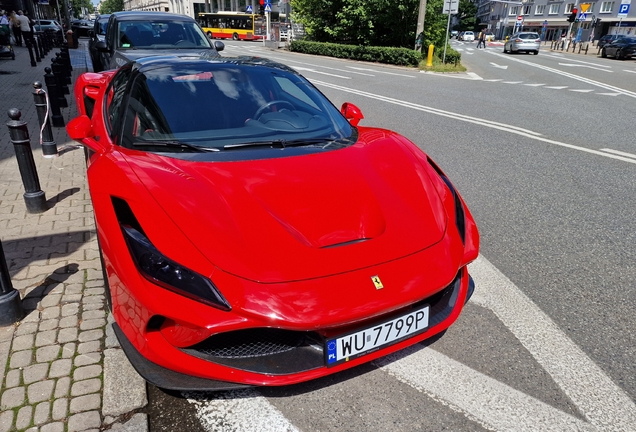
(77, 6)
(466, 15)
(110, 6)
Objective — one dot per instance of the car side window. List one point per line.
(115, 96)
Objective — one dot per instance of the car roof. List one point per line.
(149, 15)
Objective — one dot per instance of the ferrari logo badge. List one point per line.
(377, 282)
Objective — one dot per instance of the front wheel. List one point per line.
(618, 55)
(235, 36)
(535, 52)
(603, 53)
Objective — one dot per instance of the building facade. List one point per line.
(550, 18)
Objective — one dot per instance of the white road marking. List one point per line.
(560, 56)
(483, 399)
(300, 68)
(238, 411)
(382, 72)
(471, 76)
(618, 152)
(581, 91)
(499, 66)
(482, 122)
(585, 66)
(512, 82)
(569, 75)
(286, 60)
(627, 70)
(534, 85)
(610, 94)
(474, 75)
(556, 87)
(600, 400)
(494, 80)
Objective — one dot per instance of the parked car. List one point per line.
(454, 34)
(529, 42)
(81, 27)
(96, 34)
(45, 24)
(468, 36)
(490, 37)
(284, 33)
(252, 234)
(622, 48)
(134, 34)
(604, 40)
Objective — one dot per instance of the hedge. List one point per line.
(396, 56)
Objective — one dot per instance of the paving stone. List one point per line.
(83, 387)
(13, 378)
(62, 387)
(93, 306)
(51, 300)
(85, 403)
(74, 289)
(60, 368)
(24, 417)
(93, 323)
(49, 324)
(47, 353)
(23, 342)
(68, 350)
(93, 299)
(32, 317)
(94, 291)
(21, 359)
(69, 321)
(12, 398)
(40, 391)
(111, 339)
(137, 423)
(87, 347)
(85, 372)
(67, 335)
(70, 309)
(94, 314)
(86, 359)
(60, 408)
(27, 328)
(50, 313)
(53, 427)
(83, 421)
(91, 335)
(71, 298)
(42, 413)
(6, 421)
(45, 338)
(36, 372)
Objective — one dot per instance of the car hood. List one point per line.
(122, 57)
(300, 217)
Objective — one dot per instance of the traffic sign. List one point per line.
(248, 9)
(582, 17)
(520, 18)
(623, 9)
(584, 7)
(268, 7)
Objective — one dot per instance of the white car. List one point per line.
(468, 36)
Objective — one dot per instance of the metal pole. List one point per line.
(49, 147)
(51, 85)
(447, 27)
(10, 304)
(34, 197)
(421, 16)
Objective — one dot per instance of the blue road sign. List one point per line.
(248, 8)
(582, 16)
(268, 7)
(623, 9)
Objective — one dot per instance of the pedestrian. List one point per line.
(25, 28)
(4, 20)
(482, 39)
(15, 26)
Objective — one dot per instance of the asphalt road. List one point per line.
(542, 150)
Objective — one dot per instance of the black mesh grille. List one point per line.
(251, 343)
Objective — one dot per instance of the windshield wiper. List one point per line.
(276, 144)
(174, 144)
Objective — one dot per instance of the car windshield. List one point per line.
(213, 106)
(528, 36)
(161, 34)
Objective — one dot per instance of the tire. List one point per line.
(235, 36)
(618, 55)
(603, 53)
(505, 50)
(535, 52)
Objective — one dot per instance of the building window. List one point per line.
(568, 8)
(554, 9)
(540, 10)
(607, 7)
(514, 10)
(526, 9)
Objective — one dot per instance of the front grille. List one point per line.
(278, 352)
(251, 343)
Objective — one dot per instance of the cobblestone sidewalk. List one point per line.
(62, 367)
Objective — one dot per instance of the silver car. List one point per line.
(523, 41)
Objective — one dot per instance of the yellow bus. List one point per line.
(233, 25)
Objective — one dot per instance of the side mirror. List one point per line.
(352, 113)
(101, 46)
(80, 129)
(220, 46)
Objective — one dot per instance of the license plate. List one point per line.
(356, 344)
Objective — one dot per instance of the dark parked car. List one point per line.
(620, 49)
(81, 27)
(131, 35)
(608, 39)
(96, 34)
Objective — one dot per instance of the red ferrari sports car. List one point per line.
(252, 234)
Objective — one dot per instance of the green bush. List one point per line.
(396, 56)
(452, 56)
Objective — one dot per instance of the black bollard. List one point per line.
(10, 305)
(36, 50)
(64, 53)
(62, 89)
(18, 131)
(51, 86)
(65, 69)
(29, 46)
(41, 45)
(49, 147)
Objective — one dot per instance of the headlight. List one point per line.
(166, 273)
